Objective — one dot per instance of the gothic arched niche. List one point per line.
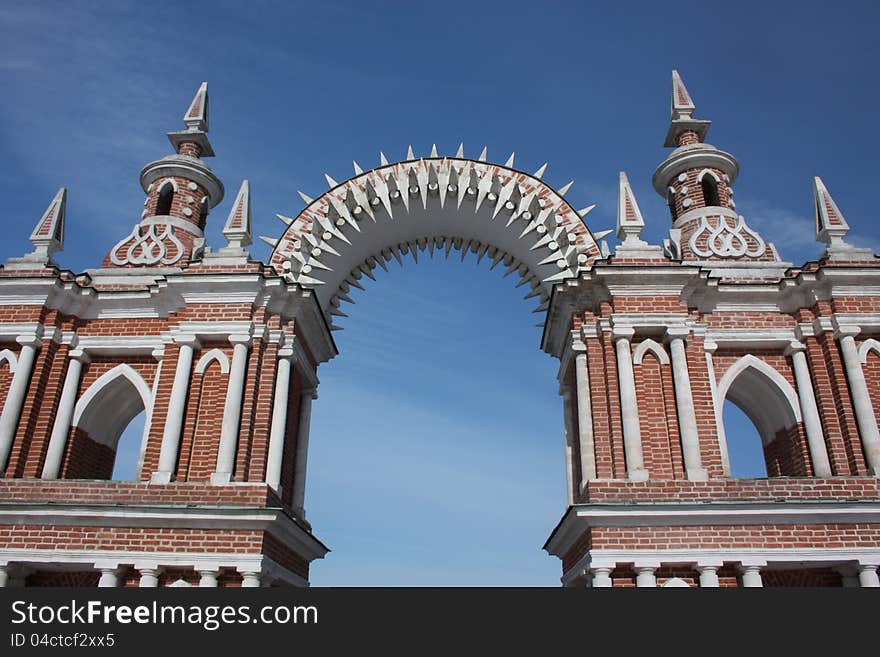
(422, 205)
(101, 415)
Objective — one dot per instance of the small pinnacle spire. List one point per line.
(196, 121)
(237, 229)
(682, 105)
(630, 223)
(196, 117)
(684, 129)
(831, 227)
(48, 234)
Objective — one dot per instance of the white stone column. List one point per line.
(109, 578)
(602, 577)
(232, 410)
(64, 415)
(809, 411)
(645, 577)
(865, 418)
(149, 578)
(208, 578)
(279, 420)
(629, 409)
(710, 348)
(15, 395)
(569, 438)
(585, 418)
(302, 451)
(176, 407)
(751, 576)
(708, 576)
(4, 575)
(684, 405)
(868, 576)
(250, 579)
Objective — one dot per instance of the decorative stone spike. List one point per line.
(460, 152)
(562, 191)
(682, 105)
(335, 312)
(602, 233)
(434, 151)
(308, 200)
(409, 153)
(48, 235)
(832, 227)
(540, 172)
(483, 154)
(237, 229)
(196, 117)
(330, 181)
(271, 241)
(357, 168)
(509, 162)
(284, 219)
(383, 161)
(583, 212)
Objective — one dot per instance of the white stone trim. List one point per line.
(211, 356)
(765, 421)
(273, 520)
(865, 348)
(166, 181)
(9, 357)
(122, 370)
(654, 347)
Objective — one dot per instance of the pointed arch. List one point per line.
(709, 182)
(110, 403)
(652, 346)
(165, 197)
(9, 357)
(763, 394)
(675, 583)
(211, 356)
(865, 348)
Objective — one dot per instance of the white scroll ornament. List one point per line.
(727, 241)
(153, 247)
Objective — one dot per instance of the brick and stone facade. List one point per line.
(222, 353)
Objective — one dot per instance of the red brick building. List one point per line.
(222, 353)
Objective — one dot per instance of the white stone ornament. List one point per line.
(726, 241)
(154, 247)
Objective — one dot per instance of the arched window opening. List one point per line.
(128, 450)
(756, 394)
(745, 448)
(710, 190)
(163, 203)
(108, 424)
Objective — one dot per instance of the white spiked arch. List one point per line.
(115, 404)
(434, 203)
(762, 393)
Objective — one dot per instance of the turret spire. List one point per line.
(630, 225)
(684, 129)
(194, 140)
(47, 236)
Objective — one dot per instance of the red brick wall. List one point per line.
(85, 458)
(658, 419)
(201, 433)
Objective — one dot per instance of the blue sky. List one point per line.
(437, 437)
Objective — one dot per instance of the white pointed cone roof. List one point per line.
(237, 229)
(196, 117)
(682, 105)
(48, 234)
(629, 217)
(830, 221)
